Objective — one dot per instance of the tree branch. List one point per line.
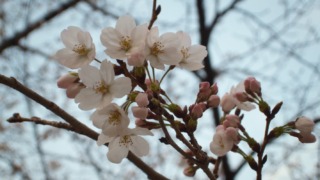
(103, 11)
(14, 40)
(16, 118)
(77, 125)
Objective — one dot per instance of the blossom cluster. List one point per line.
(142, 48)
(95, 87)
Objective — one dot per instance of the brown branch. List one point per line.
(222, 13)
(16, 118)
(14, 40)
(79, 127)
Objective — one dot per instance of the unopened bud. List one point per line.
(214, 88)
(276, 109)
(74, 89)
(204, 91)
(227, 103)
(231, 121)
(213, 101)
(252, 85)
(140, 112)
(197, 110)
(241, 96)
(67, 80)
(142, 100)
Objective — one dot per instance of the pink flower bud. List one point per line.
(197, 111)
(227, 103)
(74, 89)
(231, 121)
(66, 80)
(140, 112)
(142, 100)
(204, 91)
(222, 142)
(252, 85)
(214, 88)
(307, 138)
(241, 96)
(204, 86)
(304, 125)
(140, 122)
(233, 134)
(213, 101)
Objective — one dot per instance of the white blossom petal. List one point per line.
(102, 139)
(140, 146)
(107, 72)
(125, 25)
(121, 87)
(117, 152)
(88, 99)
(89, 76)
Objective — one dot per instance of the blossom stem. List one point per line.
(97, 60)
(148, 72)
(153, 75)
(154, 15)
(164, 75)
(264, 144)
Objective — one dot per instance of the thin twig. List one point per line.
(14, 40)
(16, 118)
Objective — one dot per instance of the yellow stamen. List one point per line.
(157, 48)
(125, 141)
(101, 88)
(115, 118)
(125, 43)
(81, 49)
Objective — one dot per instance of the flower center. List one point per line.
(157, 48)
(114, 118)
(81, 49)
(125, 43)
(125, 141)
(100, 87)
(185, 53)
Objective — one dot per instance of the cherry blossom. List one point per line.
(79, 48)
(246, 106)
(101, 86)
(192, 55)
(162, 49)
(110, 119)
(126, 40)
(230, 100)
(223, 140)
(127, 140)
